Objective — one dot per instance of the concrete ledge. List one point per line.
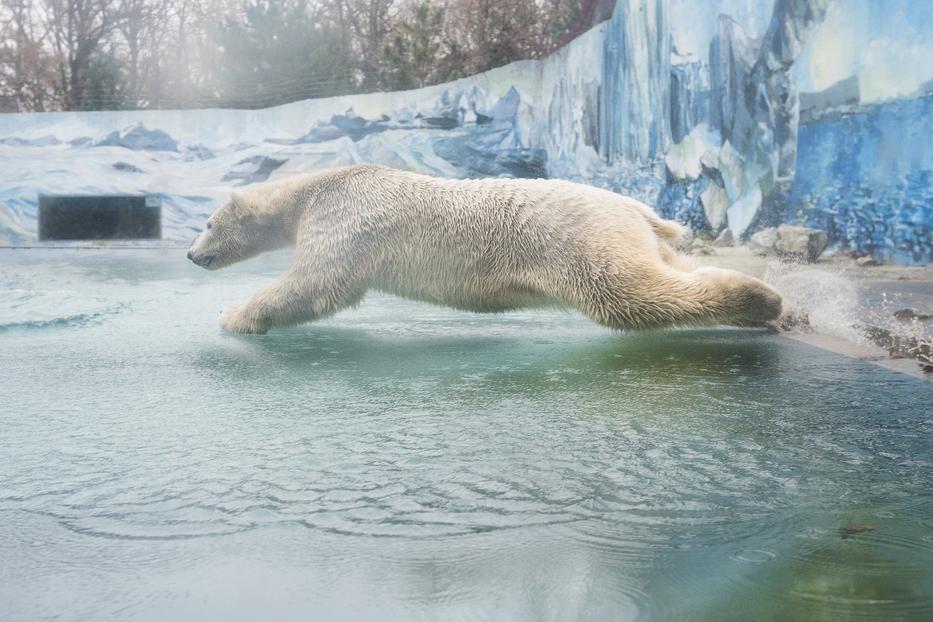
(869, 354)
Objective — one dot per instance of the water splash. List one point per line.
(827, 298)
(830, 301)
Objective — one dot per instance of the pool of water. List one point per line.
(408, 462)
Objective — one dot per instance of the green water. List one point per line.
(407, 462)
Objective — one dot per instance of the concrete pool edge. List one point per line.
(868, 354)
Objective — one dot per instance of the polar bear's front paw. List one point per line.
(235, 319)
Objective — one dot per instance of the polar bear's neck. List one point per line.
(278, 206)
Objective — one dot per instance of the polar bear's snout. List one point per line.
(201, 259)
(198, 255)
(204, 261)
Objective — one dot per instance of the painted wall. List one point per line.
(737, 113)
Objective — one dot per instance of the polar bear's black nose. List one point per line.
(190, 255)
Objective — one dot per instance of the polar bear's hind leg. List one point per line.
(670, 297)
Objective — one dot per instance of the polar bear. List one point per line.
(485, 245)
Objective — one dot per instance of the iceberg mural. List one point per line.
(635, 103)
(720, 113)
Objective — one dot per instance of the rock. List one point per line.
(762, 243)
(724, 239)
(906, 315)
(800, 243)
(867, 260)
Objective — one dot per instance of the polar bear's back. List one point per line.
(505, 242)
(569, 203)
(483, 211)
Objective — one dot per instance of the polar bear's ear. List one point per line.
(238, 199)
(241, 202)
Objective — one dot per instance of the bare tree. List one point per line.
(143, 29)
(76, 29)
(81, 54)
(367, 24)
(189, 66)
(496, 32)
(26, 67)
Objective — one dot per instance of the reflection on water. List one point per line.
(402, 461)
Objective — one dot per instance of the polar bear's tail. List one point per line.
(667, 229)
(664, 229)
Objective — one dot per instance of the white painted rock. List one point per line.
(762, 243)
(724, 239)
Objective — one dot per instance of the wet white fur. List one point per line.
(478, 245)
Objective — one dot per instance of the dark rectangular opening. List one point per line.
(102, 217)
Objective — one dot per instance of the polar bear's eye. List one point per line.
(209, 225)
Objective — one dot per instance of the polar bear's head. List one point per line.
(239, 229)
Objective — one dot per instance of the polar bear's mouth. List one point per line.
(204, 261)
